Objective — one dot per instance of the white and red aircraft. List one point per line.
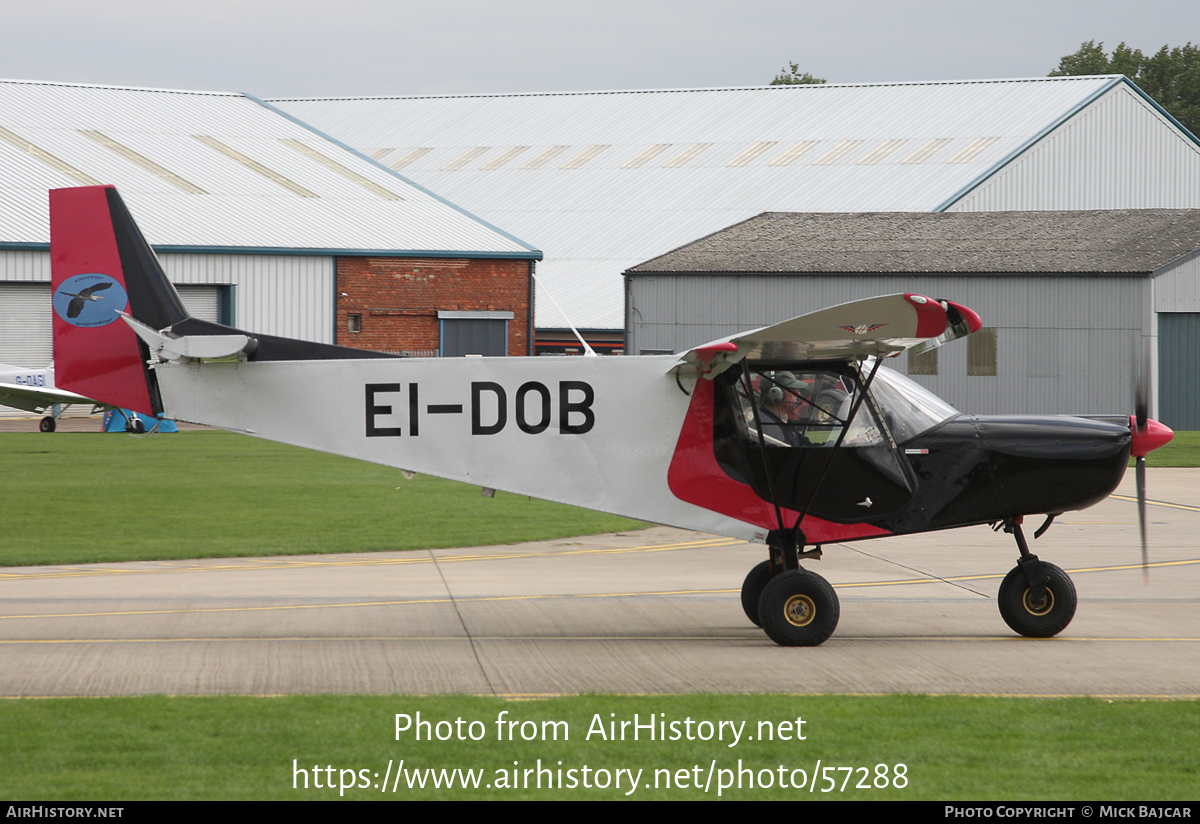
(791, 434)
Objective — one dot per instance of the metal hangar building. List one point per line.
(260, 221)
(1070, 300)
(602, 181)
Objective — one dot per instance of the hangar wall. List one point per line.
(1119, 152)
(1057, 336)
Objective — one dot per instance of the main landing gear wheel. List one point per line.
(1037, 615)
(752, 590)
(47, 424)
(135, 426)
(798, 609)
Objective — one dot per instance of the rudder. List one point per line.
(101, 265)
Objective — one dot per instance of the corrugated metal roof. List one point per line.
(1120, 241)
(677, 165)
(216, 170)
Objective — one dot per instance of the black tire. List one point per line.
(135, 426)
(798, 609)
(752, 590)
(47, 424)
(1025, 615)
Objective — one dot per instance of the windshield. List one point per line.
(908, 408)
(802, 408)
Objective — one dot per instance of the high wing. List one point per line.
(33, 390)
(876, 327)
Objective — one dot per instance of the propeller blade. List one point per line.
(1141, 495)
(1141, 398)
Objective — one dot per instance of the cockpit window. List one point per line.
(775, 426)
(908, 408)
(803, 408)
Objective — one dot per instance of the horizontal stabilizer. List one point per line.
(190, 347)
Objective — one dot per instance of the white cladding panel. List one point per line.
(25, 329)
(1119, 152)
(286, 295)
(1178, 288)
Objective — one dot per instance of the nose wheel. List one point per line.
(1037, 599)
(1037, 611)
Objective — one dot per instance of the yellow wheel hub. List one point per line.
(1038, 606)
(800, 610)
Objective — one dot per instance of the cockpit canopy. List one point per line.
(776, 426)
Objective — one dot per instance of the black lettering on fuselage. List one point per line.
(566, 407)
(374, 431)
(477, 425)
(522, 394)
(490, 410)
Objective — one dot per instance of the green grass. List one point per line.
(953, 747)
(89, 497)
(1183, 450)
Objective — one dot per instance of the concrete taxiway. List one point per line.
(640, 612)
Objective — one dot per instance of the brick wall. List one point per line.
(398, 298)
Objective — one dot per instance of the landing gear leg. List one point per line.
(1037, 599)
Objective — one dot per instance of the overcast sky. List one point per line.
(308, 48)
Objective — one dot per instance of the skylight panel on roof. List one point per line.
(411, 157)
(880, 152)
(686, 156)
(545, 157)
(334, 166)
(750, 154)
(464, 158)
(379, 154)
(142, 161)
(645, 156)
(504, 157)
(47, 158)
(254, 165)
(928, 150)
(793, 153)
(583, 157)
(837, 152)
(972, 149)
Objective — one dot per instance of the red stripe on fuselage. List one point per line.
(695, 477)
(100, 362)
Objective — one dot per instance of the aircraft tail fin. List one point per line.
(102, 266)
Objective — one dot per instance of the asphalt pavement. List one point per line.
(653, 611)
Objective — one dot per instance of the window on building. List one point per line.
(981, 352)
(354, 323)
(923, 364)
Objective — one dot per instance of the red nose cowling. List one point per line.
(1149, 439)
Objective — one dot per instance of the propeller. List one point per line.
(1141, 418)
(1147, 435)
